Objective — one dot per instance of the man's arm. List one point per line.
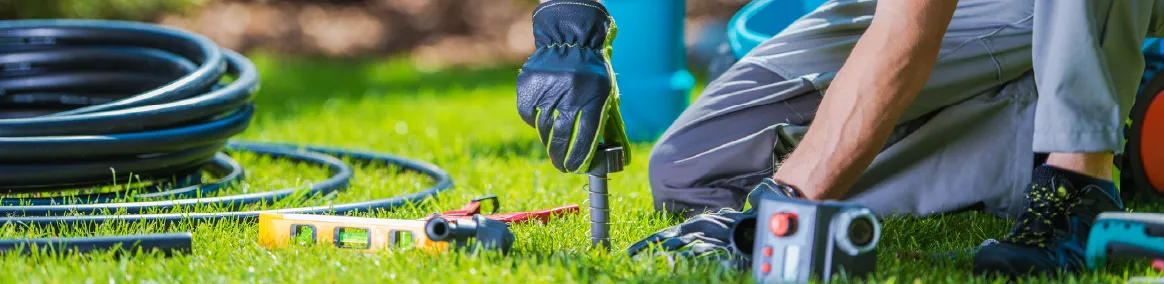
(887, 68)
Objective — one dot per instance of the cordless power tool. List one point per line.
(799, 240)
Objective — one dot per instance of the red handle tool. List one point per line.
(474, 207)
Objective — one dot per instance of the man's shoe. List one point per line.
(1051, 235)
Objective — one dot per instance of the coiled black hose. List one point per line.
(92, 102)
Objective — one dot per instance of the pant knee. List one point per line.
(668, 186)
(682, 186)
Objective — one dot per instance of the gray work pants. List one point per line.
(968, 140)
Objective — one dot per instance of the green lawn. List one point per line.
(464, 121)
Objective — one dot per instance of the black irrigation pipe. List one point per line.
(168, 244)
(92, 102)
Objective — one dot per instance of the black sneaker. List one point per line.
(1051, 235)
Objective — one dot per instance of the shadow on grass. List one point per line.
(292, 84)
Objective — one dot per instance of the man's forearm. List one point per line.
(888, 66)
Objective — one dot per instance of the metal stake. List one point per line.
(606, 160)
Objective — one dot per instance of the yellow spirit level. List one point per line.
(361, 234)
(457, 228)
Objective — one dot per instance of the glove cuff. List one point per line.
(572, 24)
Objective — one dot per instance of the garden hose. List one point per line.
(91, 102)
(168, 244)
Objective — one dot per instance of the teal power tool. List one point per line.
(1127, 235)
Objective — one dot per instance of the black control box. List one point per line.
(798, 240)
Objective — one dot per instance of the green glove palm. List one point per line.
(567, 90)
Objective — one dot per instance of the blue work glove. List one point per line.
(726, 236)
(566, 90)
(705, 237)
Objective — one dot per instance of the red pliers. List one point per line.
(474, 208)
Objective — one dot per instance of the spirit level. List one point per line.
(374, 234)
(356, 233)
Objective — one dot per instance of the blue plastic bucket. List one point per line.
(761, 19)
(1154, 46)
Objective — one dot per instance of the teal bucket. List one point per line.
(761, 19)
(651, 65)
(650, 58)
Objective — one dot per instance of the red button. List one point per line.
(782, 224)
(767, 251)
(765, 268)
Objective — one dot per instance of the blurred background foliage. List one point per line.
(435, 33)
(97, 9)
